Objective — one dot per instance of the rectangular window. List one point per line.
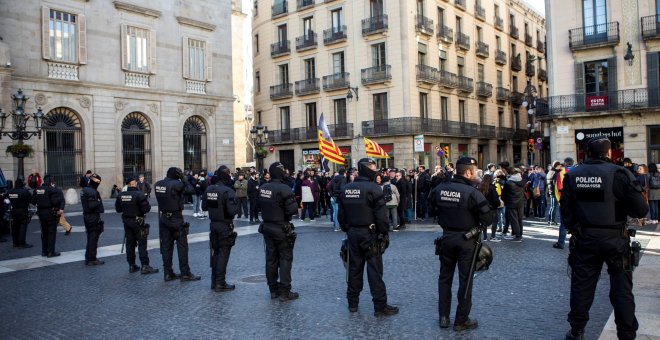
(197, 55)
(514, 83)
(378, 54)
(499, 78)
(423, 105)
(63, 35)
(310, 113)
(308, 28)
(283, 74)
(257, 81)
(282, 35)
(514, 53)
(137, 46)
(310, 68)
(380, 106)
(420, 7)
(340, 111)
(498, 42)
(336, 17)
(497, 11)
(460, 62)
(376, 7)
(500, 116)
(285, 118)
(594, 12)
(421, 54)
(461, 111)
(444, 108)
(482, 114)
(256, 43)
(441, 17)
(516, 119)
(338, 63)
(459, 25)
(480, 72)
(595, 77)
(259, 117)
(480, 35)
(443, 60)
(526, 29)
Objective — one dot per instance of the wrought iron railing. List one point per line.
(479, 12)
(500, 57)
(295, 135)
(633, 99)
(463, 40)
(306, 41)
(307, 86)
(482, 49)
(281, 91)
(486, 131)
(423, 24)
(516, 64)
(543, 75)
(513, 31)
(465, 84)
(517, 98)
(302, 4)
(505, 133)
(530, 70)
(540, 46)
(520, 134)
(484, 89)
(596, 35)
(499, 23)
(427, 74)
(460, 4)
(280, 48)
(529, 41)
(502, 94)
(376, 74)
(336, 81)
(445, 34)
(418, 125)
(651, 27)
(279, 7)
(374, 24)
(448, 79)
(334, 35)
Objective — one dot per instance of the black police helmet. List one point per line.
(48, 180)
(94, 181)
(174, 173)
(484, 258)
(277, 170)
(19, 183)
(129, 179)
(223, 175)
(598, 147)
(364, 168)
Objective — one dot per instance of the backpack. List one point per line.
(387, 191)
(654, 182)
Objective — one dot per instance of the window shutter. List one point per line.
(186, 58)
(208, 60)
(124, 48)
(652, 78)
(611, 82)
(152, 52)
(82, 39)
(579, 87)
(45, 33)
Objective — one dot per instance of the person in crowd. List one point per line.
(241, 186)
(402, 187)
(144, 186)
(309, 192)
(392, 197)
(253, 194)
(551, 180)
(539, 192)
(338, 183)
(559, 186)
(514, 201)
(84, 180)
(643, 179)
(498, 181)
(487, 188)
(297, 192)
(654, 192)
(423, 184)
(34, 180)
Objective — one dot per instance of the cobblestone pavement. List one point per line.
(524, 295)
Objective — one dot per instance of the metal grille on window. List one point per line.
(136, 146)
(62, 32)
(137, 41)
(196, 48)
(63, 155)
(194, 144)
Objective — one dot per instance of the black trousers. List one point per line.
(456, 251)
(515, 217)
(135, 239)
(243, 206)
(422, 209)
(279, 259)
(48, 223)
(220, 232)
(19, 225)
(171, 230)
(403, 204)
(254, 209)
(93, 231)
(358, 243)
(593, 249)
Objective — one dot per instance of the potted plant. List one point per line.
(262, 153)
(20, 150)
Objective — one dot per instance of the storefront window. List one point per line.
(311, 158)
(654, 144)
(615, 134)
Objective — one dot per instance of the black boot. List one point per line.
(171, 276)
(387, 311)
(274, 295)
(444, 322)
(93, 263)
(468, 324)
(190, 277)
(146, 269)
(575, 334)
(133, 268)
(288, 296)
(223, 287)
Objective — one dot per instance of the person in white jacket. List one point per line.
(390, 191)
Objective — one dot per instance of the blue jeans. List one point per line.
(501, 217)
(653, 207)
(554, 208)
(310, 208)
(333, 201)
(196, 204)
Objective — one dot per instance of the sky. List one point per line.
(538, 5)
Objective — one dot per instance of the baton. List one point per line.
(477, 247)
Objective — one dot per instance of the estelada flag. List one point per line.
(327, 146)
(374, 150)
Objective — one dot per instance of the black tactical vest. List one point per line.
(215, 202)
(169, 200)
(42, 197)
(129, 205)
(453, 206)
(595, 203)
(20, 200)
(271, 202)
(357, 199)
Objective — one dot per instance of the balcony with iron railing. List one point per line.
(279, 8)
(308, 86)
(484, 89)
(520, 134)
(543, 75)
(376, 74)
(540, 46)
(465, 84)
(334, 35)
(486, 131)
(304, 4)
(418, 125)
(281, 91)
(447, 79)
(426, 74)
(280, 48)
(516, 64)
(375, 24)
(529, 41)
(632, 101)
(502, 94)
(651, 27)
(516, 98)
(500, 57)
(482, 49)
(423, 25)
(594, 36)
(530, 70)
(306, 42)
(463, 41)
(445, 34)
(513, 31)
(505, 133)
(479, 12)
(460, 4)
(305, 134)
(336, 81)
(499, 23)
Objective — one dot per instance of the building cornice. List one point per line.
(124, 6)
(195, 23)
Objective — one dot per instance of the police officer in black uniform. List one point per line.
(219, 200)
(363, 216)
(278, 205)
(171, 226)
(134, 205)
(460, 208)
(92, 209)
(49, 200)
(595, 202)
(20, 202)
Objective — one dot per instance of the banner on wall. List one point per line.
(311, 157)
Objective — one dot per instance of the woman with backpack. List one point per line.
(487, 188)
(392, 198)
(654, 192)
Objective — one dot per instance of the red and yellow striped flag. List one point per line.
(374, 150)
(327, 146)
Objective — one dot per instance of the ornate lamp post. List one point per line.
(19, 126)
(530, 104)
(259, 136)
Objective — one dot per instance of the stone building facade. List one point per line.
(598, 84)
(127, 87)
(452, 71)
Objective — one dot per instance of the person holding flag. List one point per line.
(327, 147)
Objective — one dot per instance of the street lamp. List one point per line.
(19, 125)
(349, 95)
(530, 105)
(259, 136)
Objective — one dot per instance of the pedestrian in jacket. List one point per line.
(253, 192)
(309, 192)
(513, 196)
(393, 204)
(241, 186)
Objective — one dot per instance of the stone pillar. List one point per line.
(509, 151)
(523, 152)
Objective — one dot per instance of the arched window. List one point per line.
(63, 147)
(194, 144)
(136, 146)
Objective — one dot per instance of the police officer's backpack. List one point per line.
(387, 192)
